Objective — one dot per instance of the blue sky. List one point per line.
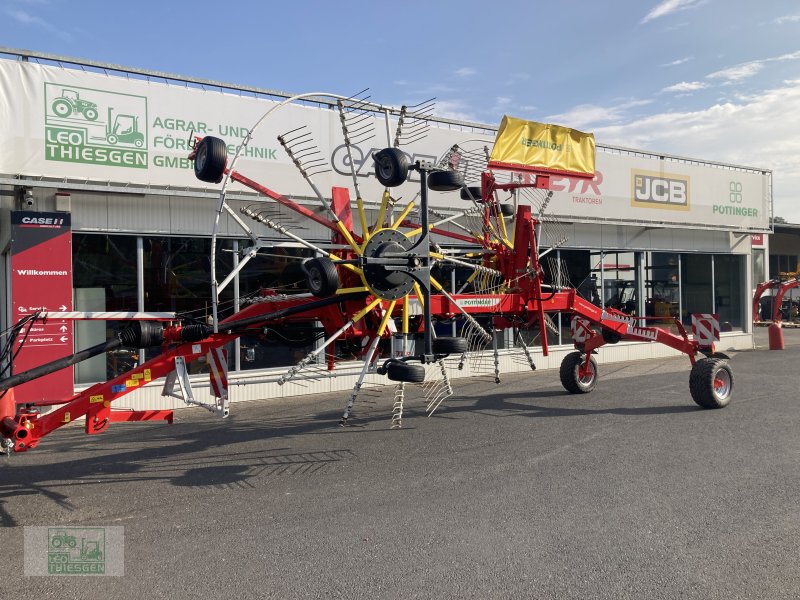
(711, 79)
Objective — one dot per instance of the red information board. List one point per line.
(41, 280)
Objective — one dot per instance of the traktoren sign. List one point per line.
(76, 125)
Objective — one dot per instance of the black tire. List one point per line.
(391, 166)
(112, 139)
(90, 114)
(472, 192)
(610, 336)
(62, 108)
(406, 372)
(210, 159)
(507, 210)
(711, 383)
(571, 378)
(321, 276)
(445, 181)
(449, 345)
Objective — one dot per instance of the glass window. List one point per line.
(759, 272)
(662, 289)
(728, 285)
(620, 282)
(696, 286)
(104, 279)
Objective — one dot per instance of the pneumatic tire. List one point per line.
(449, 345)
(572, 378)
(405, 372)
(391, 166)
(321, 276)
(210, 159)
(471, 192)
(711, 383)
(445, 181)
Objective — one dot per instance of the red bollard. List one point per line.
(775, 337)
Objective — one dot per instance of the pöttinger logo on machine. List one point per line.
(659, 190)
(92, 126)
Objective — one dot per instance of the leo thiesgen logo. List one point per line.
(92, 126)
(659, 190)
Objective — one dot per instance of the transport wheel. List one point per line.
(574, 377)
(711, 383)
(445, 181)
(391, 167)
(112, 139)
(472, 192)
(211, 158)
(56, 542)
(321, 276)
(138, 143)
(90, 114)
(408, 373)
(62, 108)
(449, 345)
(507, 210)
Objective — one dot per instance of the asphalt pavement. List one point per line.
(517, 490)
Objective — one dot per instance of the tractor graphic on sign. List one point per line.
(70, 102)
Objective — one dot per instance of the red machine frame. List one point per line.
(526, 301)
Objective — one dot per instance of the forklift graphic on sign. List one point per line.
(123, 129)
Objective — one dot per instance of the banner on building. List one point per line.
(41, 280)
(70, 124)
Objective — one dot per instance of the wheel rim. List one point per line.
(200, 159)
(586, 374)
(315, 279)
(722, 384)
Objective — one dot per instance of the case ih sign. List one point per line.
(41, 280)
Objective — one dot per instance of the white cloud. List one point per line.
(466, 72)
(667, 7)
(738, 72)
(787, 19)
(757, 130)
(748, 69)
(454, 109)
(677, 62)
(685, 86)
(590, 114)
(25, 18)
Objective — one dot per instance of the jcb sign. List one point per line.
(659, 190)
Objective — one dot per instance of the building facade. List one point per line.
(651, 235)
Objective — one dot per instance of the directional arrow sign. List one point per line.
(63, 328)
(64, 338)
(62, 308)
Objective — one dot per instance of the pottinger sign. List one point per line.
(41, 280)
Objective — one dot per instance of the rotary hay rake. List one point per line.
(372, 288)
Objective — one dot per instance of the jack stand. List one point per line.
(184, 392)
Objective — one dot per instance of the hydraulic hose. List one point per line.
(143, 334)
(59, 364)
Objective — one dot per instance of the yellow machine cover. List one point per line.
(528, 145)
